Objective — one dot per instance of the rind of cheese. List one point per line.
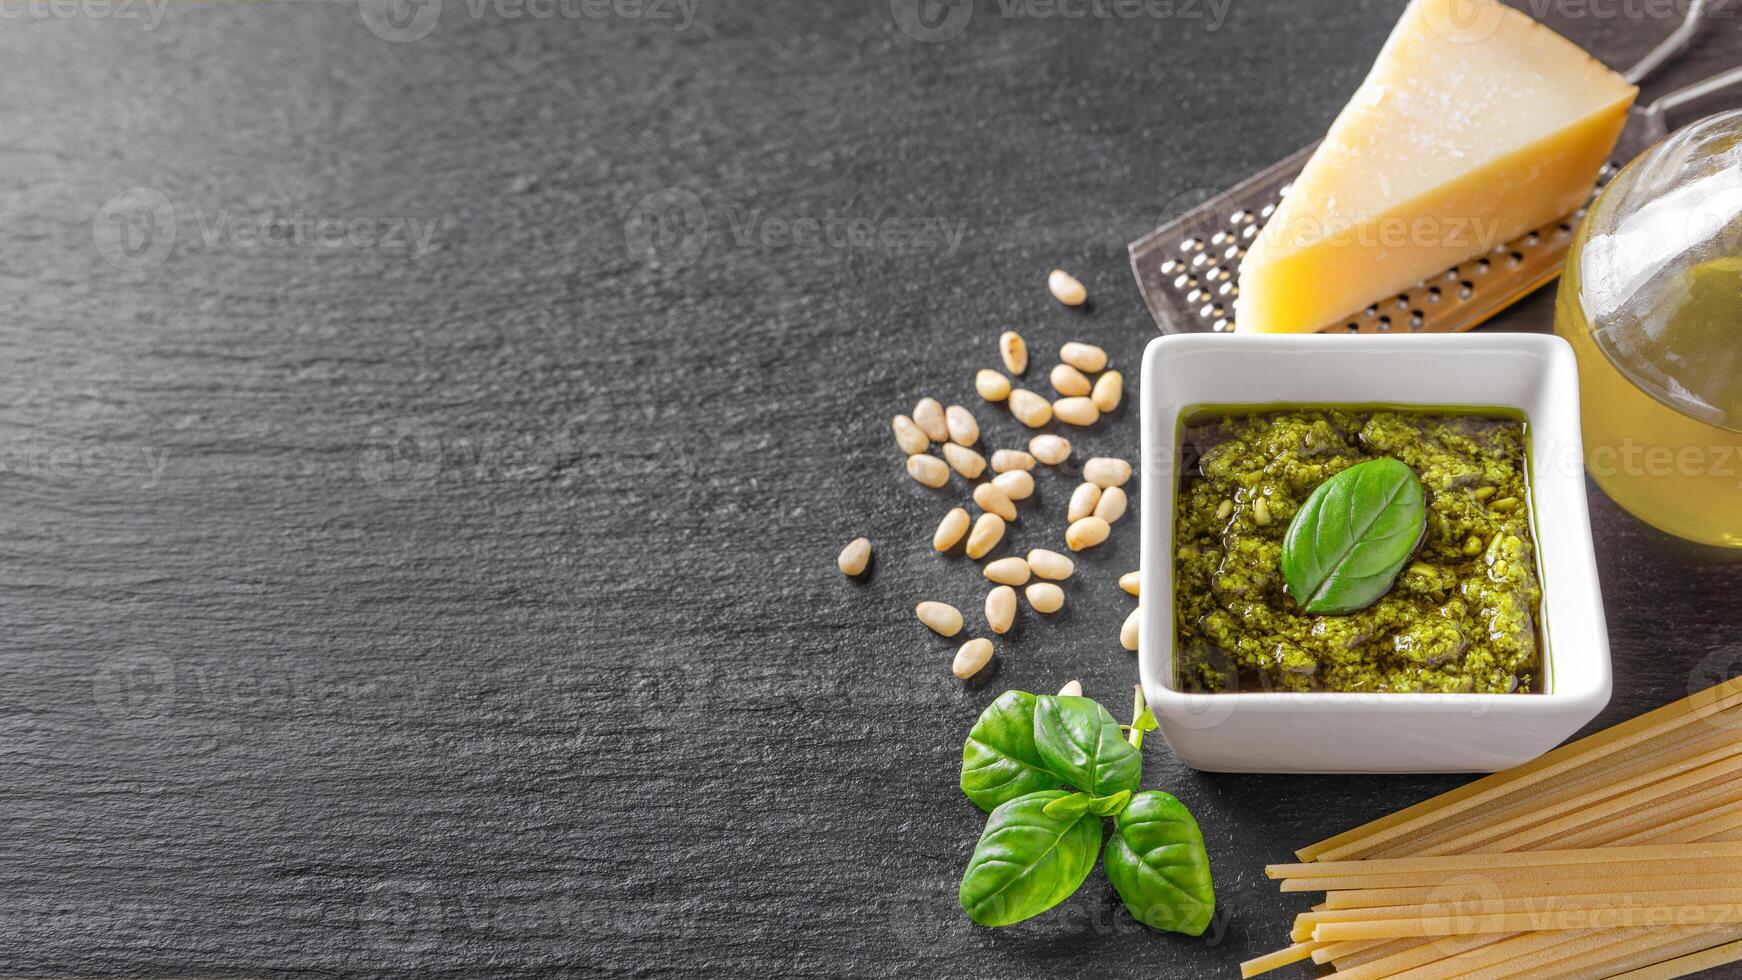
(1476, 125)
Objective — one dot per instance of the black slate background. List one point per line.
(469, 611)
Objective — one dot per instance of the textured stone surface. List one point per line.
(468, 608)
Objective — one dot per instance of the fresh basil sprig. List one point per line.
(1028, 860)
(1347, 543)
(1155, 862)
(1041, 840)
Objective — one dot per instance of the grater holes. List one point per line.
(1466, 289)
(1197, 295)
(1371, 311)
(1192, 245)
(1269, 209)
(1482, 267)
(1433, 294)
(1185, 282)
(1353, 328)
(1532, 240)
(1514, 260)
(1240, 217)
(1220, 238)
(1170, 267)
(1228, 290)
(1222, 326)
(1417, 319)
(1233, 253)
(1200, 260)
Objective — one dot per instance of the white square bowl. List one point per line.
(1350, 733)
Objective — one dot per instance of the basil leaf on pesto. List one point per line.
(1349, 540)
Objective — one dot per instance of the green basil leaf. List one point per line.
(1080, 741)
(1347, 543)
(1071, 807)
(1157, 864)
(999, 760)
(1026, 861)
(1110, 806)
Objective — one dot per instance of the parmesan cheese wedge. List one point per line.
(1476, 125)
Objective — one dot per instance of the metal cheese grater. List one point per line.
(1188, 269)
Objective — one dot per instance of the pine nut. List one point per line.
(1050, 449)
(1072, 689)
(991, 385)
(964, 430)
(1084, 357)
(928, 470)
(1001, 609)
(1086, 533)
(1076, 411)
(1109, 389)
(1112, 505)
(1066, 288)
(1129, 632)
(964, 460)
(939, 617)
(1131, 582)
(1045, 597)
(1014, 350)
(950, 529)
(1083, 501)
(1029, 408)
(1261, 512)
(1050, 565)
(854, 557)
(1008, 571)
(1016, 484)
(929, 416)
(909, 436)
(972, 658)
(1107, 471)
(988, 531)
(1069, 381)
(994, 501)
(1005, 460)
(1223, 509)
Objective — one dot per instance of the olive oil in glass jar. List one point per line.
(1651, 301)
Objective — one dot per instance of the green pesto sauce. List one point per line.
(1462, 616)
